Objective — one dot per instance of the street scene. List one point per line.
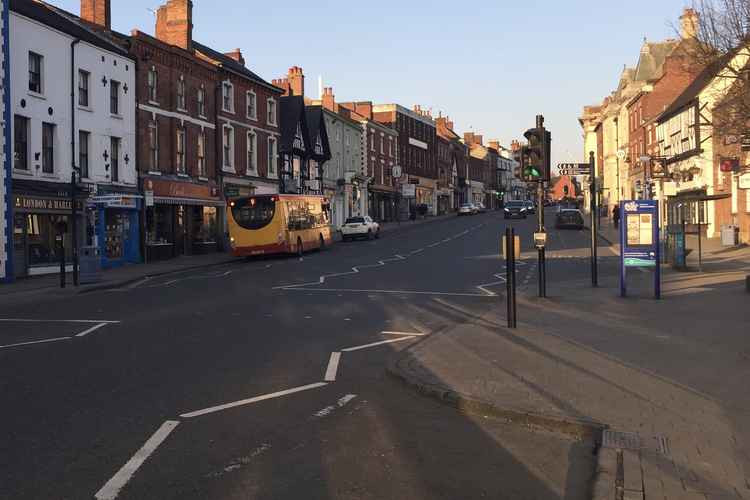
(219, 286)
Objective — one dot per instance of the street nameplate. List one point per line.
(573, 168)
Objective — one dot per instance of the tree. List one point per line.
(721, 33)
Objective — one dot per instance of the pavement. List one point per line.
(659, 387)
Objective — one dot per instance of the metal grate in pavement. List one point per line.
(632, 441)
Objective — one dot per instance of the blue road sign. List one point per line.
(639, 240)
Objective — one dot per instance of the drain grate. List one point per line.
(621, 440)
(633, 441)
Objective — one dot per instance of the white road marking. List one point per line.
(434, 244)
(255, 399)
(25, 320)
(418, 250)
(333, 366)
(339, 404)
(408, 292)
(411, 334)
(45, 341)
(90, 330)
(687, 291)
(374, 344)
(110, 490)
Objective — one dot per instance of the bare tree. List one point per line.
(721, 33)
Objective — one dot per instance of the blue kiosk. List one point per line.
(639, 240)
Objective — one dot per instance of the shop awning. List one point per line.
(699, 197)
(168, 200)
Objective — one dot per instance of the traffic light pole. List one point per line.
(542, 260)
(594, 217)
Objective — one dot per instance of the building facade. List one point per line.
(177, 157)
(6, 229)
(97, 117)
(417, 149)
(248, 124)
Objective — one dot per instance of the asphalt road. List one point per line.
(220, 384)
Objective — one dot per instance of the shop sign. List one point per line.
(743, 181)
(182, 190)
(148, 197)
(408, 190)
(115, 201)
(40, 204)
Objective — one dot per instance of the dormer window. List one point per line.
(319, 146)
(299, 142)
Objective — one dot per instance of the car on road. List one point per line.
(467, 209)
(360, 227)
(569, 218)
(530, 207)
(515, 209)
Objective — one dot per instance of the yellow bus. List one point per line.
(278, 223)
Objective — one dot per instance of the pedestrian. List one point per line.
(616, 216)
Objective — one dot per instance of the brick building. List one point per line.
(563, 187)
(247, 126)
(480, 168)
(454, 165)
(177, 137)
(417, 149)
(379, 155)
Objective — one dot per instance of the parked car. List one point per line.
(569, 218)
(467, 209)
(530, 207)
(360, 227)
(515, 209)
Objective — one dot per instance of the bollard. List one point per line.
(510, 275)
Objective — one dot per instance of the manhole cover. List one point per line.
(633, 441)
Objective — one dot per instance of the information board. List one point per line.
(639, 240)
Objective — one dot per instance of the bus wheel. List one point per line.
(322, 243)
(300, 250)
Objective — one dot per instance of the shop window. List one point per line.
(41, 238)
(204, 224)
(161, 225)
(20, 142)
(116, 228)
(48, 148)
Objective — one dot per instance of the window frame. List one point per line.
(153, 145)
(227, 96)
(248, 95)
(252, 161)
(25, 128)
(227, 147)
(201, 100)
(114, 159)
(84, 78)
(201, 153)
(48, 148)
(114, 97)
(84, 153)
(39, 75)
(271, 112)
(181, 94)
(152, 85)
(180, 150)
(271, 156)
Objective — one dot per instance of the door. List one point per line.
(19, 245)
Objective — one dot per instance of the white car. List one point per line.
(360, 227)
(467, 209)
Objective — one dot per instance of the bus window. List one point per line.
(254, 213)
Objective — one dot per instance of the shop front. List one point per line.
(112, 225)
(382, 205)
(182, 219)
(42, 229)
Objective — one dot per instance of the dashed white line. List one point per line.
(45, 341)
(110, 490)
(374, 344)
(339, 404)
(406, 292)
(411, 334)
(255, 399)
(333, 366)
(27, 320)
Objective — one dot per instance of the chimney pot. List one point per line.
(174, 23)
(296, 81)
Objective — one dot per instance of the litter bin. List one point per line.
(729, 235)
(90, 265)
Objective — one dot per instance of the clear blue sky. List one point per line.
(492, 65)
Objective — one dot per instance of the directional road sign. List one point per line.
(573, 168)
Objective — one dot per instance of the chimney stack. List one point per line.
(364, 108)
(97, 12)
(283, 84)
(449, 123)
(494, 145)
(478, 139)
(329, 100)
(469, 138)
(236, 54)
(296, 81)
(689, 23)
(174, 23)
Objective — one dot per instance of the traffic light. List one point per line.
(535, 157)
